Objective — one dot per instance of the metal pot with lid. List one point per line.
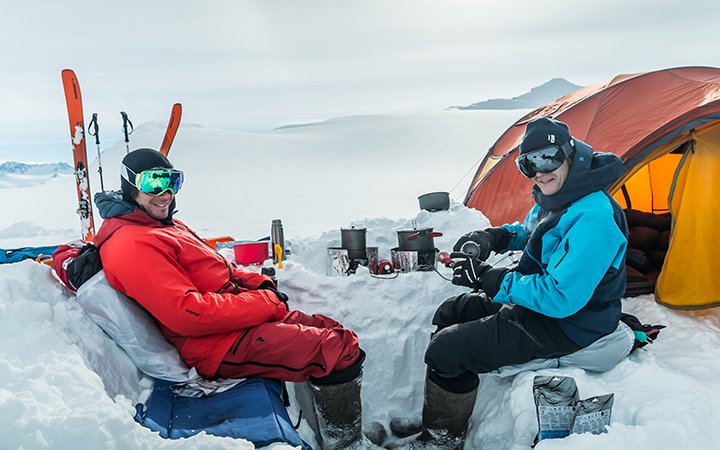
(417, 239)
(354, 241)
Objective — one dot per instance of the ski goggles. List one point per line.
(543, 160)
(156, 181)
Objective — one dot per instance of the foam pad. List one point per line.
(252, 410)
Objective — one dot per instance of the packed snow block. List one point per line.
(253, 410)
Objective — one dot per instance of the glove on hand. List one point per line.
(468, 271)
(477, 275)
(490, 239)
(269, 286)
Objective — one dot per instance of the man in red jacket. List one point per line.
(223, 321)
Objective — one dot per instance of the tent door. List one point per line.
(689, 277)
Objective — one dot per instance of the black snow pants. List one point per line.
(475, 335)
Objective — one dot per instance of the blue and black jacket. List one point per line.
(573, 266)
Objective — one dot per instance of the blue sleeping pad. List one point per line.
(14, 255)
(252, 410)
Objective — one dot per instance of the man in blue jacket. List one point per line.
(564, 294)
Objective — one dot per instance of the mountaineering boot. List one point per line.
(339, 415)
(445, 419)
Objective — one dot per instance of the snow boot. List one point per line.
(339, 415)
(445, 419)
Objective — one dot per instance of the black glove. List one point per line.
(476, 274)
(468, 271)
(269, 286)
(490, 239)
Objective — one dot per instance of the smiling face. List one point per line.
(156, 207)
(551, 183)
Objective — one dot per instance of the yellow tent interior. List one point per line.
(683, 178)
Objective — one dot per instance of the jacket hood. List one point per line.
(117, 213)
(111, 204)
(589, 172)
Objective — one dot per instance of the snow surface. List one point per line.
(64, 384)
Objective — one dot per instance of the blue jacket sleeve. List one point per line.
(590, 244)
(521, 232)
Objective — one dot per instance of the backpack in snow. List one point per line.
(76, 262)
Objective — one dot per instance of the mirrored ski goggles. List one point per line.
(543, 160)
(156, 181)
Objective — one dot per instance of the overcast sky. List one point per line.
(254, 65)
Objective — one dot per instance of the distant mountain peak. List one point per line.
(538, 96)
(21, 168)
(20, 174)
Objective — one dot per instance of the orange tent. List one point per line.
(665, 126)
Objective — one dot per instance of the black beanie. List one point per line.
(137, 161)
(543, 132)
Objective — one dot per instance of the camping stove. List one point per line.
(405, 261)
(341, 262)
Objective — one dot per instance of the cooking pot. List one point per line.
(251, 252)
(435, 201)
(353, 240)
(420, 239)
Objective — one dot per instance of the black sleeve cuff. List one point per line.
(500, 238)
(492, 279)
(267, 285)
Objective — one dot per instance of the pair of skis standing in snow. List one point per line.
(73, 98)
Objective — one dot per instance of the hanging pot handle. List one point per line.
(413, 236)
(434, 234)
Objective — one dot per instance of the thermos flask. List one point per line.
(277, 238)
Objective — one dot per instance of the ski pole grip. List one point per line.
(126, 121)
(95, 127)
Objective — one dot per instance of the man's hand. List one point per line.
(269, 286)
(482, 238)
(476, 274)
(468, 271)
(494, 239)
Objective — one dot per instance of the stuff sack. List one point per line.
(600, 356)
(133, 329)
(252, 410)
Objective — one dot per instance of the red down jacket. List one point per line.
(201, 302)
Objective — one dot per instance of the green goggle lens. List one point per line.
(157, 181)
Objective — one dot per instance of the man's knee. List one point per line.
(444, 353)
(344, 375)
(463, 308)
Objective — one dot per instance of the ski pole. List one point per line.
(126, 121)
(94, 130)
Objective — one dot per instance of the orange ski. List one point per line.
(172, 128)
(77, 138)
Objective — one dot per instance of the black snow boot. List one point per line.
(445, 419)
(339, 415)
